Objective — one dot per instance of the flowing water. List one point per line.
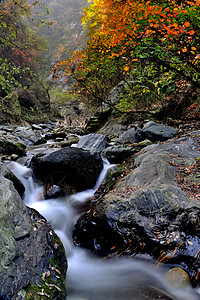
(89, 277)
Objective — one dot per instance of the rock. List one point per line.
(145, 143)
(27, 248)
(9, 148)
(36, 127)
(117, 154)
(8, 174)
(149, 211)
(97, 120)
(112, 129)
(178, 278)
(133, 135)
(14, 157)
(158, 132)
(95, 143)
(26, 134)
(69, 142)
(72, 169)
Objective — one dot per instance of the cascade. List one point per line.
(89, 277)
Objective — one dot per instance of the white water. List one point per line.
(89, 277)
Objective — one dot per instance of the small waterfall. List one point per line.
(89, 277)
(33, 192)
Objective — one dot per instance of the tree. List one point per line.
(154, 43)
(19, 46)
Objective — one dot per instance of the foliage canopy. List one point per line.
(153, 45)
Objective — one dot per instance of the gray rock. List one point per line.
(112, 130)
(26, 246)
(26, 134)
(95, 143)
(117, 154)
(133, 135)
(158, 132)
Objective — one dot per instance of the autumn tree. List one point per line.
(153, 45)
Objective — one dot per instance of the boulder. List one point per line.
(27, 249)
(72, 169)
(133, 135)
(158, 132)
(148, 210)
(9, 147)
(26, 134)
(95, 143)
(117, 154)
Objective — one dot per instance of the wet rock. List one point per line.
(96, 235)
(117, 154)
(95, 143)
(26, 248)
(178, 278)
(150, 212)
(72, 169)
(8, 174)
(158, 132)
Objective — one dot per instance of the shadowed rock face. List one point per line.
(148, 210)
(26, 246)
(71, 169)
(158, 132)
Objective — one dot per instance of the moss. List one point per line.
(10, 148)
(69, 142)
(112, 176)
(48, 288)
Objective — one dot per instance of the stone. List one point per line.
(9, 147)
(26, 247)
(26, 134)
(117, 154)
(95, 143)
(133, 135)
(147, 209)
(145, 143)
(72, 169)
(178, 278)
(36, 127)
(158, 132)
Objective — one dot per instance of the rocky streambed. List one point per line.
(141, 211)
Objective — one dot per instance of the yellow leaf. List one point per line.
(126, 68)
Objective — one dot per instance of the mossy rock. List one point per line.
(9, 148)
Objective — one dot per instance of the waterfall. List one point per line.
(89, 277)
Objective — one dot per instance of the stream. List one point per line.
(90, 277)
